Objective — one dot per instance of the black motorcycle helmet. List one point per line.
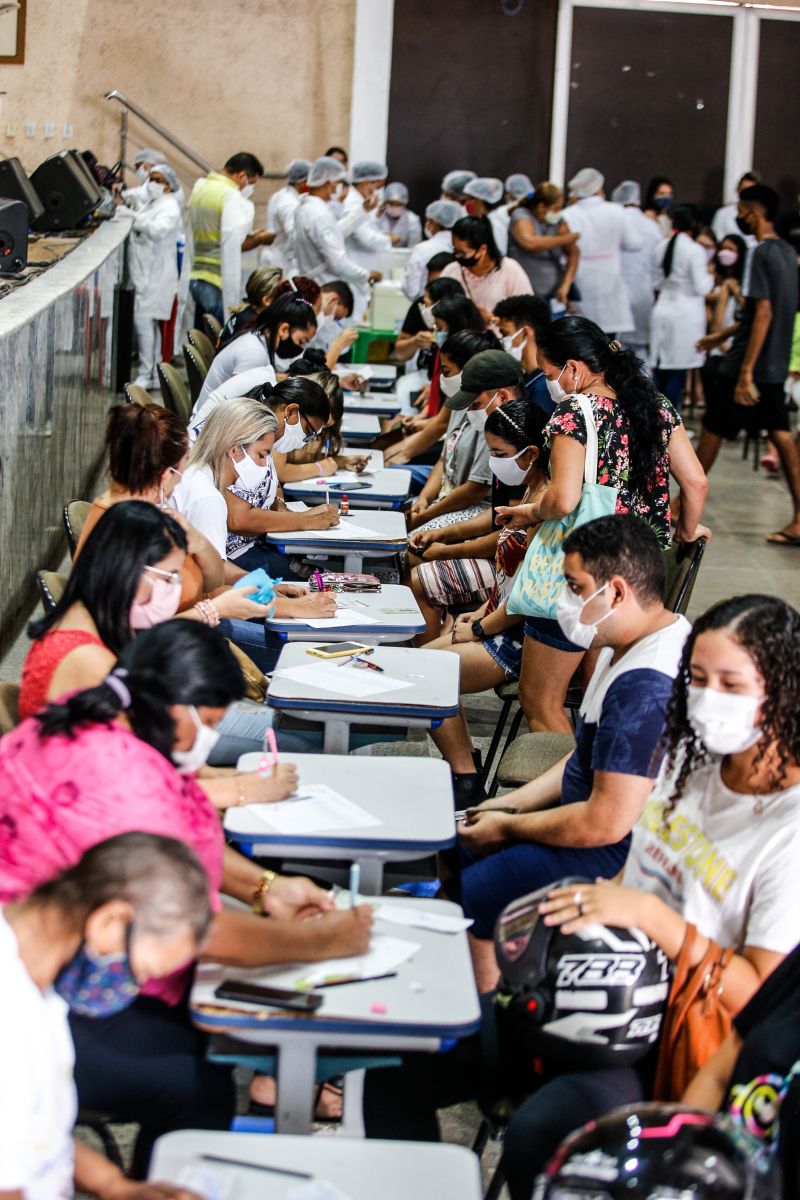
(658, 1152)
(589, 999)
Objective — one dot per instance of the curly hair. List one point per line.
(769, 630)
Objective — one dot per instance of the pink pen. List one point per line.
(265, 767)
(320, 588)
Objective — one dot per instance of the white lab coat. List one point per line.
(637, 275)
(236, 222)
(500, 219)
(152, 257)
(363, 240)
(604, 235)
(679, 315)
(281, 211)
(319, 246)
(415, 275)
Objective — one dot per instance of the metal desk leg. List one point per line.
(336, 738)
(354, 561)
(296, 1076)
(371, 876)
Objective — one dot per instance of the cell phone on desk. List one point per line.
(338, 649)
(270, 997)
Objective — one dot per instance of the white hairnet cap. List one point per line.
(519, 186)
(169, 174)
(325, 170)
(297, 170)
(444, 213)
(455, 181)
(146, 154)
(488, 190)
(586, 183)
(627, 192)
(396, 193)
(363, 172)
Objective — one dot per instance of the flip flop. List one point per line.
(782, 539)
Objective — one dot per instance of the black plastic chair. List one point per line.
(196, 371)
(202, 344)
(174, 392)
(213, 327)
(75, 514)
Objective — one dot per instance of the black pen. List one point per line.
(237, 1162)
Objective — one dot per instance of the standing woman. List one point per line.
(153, 264)
(485, 274)
(278, 338)
(682, 278)
(543, 244)
(642, 442)
(659, 201)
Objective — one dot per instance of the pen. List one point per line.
(320, 584)
(372, 666)
(334, 981)
(264, 763)
(238, 1162)
(327, 495)
(355, 880)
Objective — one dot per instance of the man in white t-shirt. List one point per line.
(577, 818)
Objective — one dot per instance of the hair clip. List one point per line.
(615, 346)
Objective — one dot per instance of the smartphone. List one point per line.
(253, 993)
(338, 649)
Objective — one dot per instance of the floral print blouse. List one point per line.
(613, 457)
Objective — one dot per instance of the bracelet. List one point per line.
(208, 612)
(259, 892)
(240, 796)
(320, 471)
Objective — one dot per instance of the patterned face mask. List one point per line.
(98, 985)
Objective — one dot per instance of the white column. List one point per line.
(372, 69)
(742, 95)
(558, 127)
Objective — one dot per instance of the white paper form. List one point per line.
(384, 956)
(343, 616)
(421, 918)
(316, 808)
(347, 681)
(297, 506)
(346, 530)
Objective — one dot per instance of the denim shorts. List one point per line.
(506, 650)
(549, 634)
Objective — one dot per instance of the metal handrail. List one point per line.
(129, 105)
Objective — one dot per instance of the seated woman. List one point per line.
(717, 846)
(416, 332)
(489, 640)
(128, 579)
(259, 290)
(138, 901)
(125, 753)
(322, 456)
(277, 339)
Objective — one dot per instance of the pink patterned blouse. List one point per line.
(61, 795)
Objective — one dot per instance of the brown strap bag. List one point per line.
(695, 1022)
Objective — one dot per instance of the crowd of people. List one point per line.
(555, 343)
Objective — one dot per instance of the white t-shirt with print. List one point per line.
(38, 1103)
(203, 505)
(731, 870)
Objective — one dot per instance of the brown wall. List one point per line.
(270, 76)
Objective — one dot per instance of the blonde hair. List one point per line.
(262, 282)
(237, 422)
(546, 193)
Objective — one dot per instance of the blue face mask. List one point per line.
(97, 986)
(440, 337)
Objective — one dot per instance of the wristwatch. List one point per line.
(260, 890)
(478, 631)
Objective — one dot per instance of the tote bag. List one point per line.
(541, 576)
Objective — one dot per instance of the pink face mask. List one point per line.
(162, 605)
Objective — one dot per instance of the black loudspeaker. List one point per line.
(67, 191)
(13, 236)
(15, 185)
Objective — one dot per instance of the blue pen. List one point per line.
(355, 880)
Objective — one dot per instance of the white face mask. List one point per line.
(477, 418)
(557, 393)
(450, 384)
(569, 607)
(248, 190)
(143, 173)
(553, 218)
(191, 760)
(154, 190)
(725, 723)
(249, 472)
(508, 470)
(513, 347)
(428, 232)
(426, 312)
(292, 437)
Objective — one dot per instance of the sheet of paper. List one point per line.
(315, 808)
(213, 1182)
(342, 616)
(346, 530)
(421, 918)
(347, 681)
(384, 956)
(297, 506)
(318, 1189)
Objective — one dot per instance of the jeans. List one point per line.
(207, 299)
(257, 642)
(242, 731)
(274, 563)
(670, 384)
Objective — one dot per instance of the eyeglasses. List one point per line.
(315, 433)
(173, 576)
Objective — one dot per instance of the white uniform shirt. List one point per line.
(244, 353)
(152, 256)
(415, 275)
(637, 275)
(728, 869)
(319, 246)
(605, 233)
(237, 385)
(38, 1103)
(281, 211)
(203, 505)
(679, 315)
(500, 219)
